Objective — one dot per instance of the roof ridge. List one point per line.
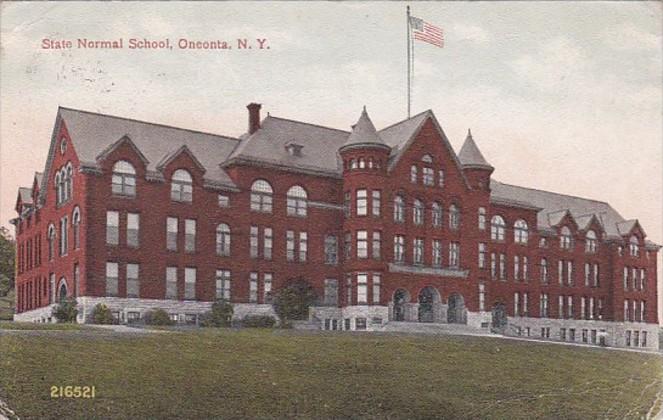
(150, 123)
(406, 119)
(552, 192)
(306, 123)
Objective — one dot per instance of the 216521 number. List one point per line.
(71, 391)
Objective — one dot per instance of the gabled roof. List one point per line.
(92, 133)
(585, 221)
(470, 156)
(556, 217)
(364, 134)
(25, 194)
(627, 226)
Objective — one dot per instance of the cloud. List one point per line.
(629, 37)
(462, 32)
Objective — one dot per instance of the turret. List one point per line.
(476, 168)
(364, 149)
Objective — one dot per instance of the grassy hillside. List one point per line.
(7, 306)
(277, 374)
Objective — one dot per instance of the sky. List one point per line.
(561, 96)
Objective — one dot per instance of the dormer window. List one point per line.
(634, 248)
(181, 186)
(565, 238)
(124, 179)
(294, 149)
(590, 242)
(427, 159)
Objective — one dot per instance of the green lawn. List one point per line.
(7, 306)
(10, 325)
(267, 374)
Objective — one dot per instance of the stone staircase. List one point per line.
(433, 328)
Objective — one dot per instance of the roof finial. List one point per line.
(469, 133)
(364, 108)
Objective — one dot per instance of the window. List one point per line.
(399, 209)
(634, 249)
(267, 287)
(516, 304)
(525, 268)
(454, 217)
(223, 283)
(418, 251)
(643, 278)
(181, 186)
(413, 174)
(189, 283)
(111, 278)
(516, 268)
(482, 218)
(303, 246)
(253, 287)
(543, 302)
(493, 265)
(544, 271)
(377, 277)
(440, 178)
(267, 243)
(565, 238)
(399, 248)
(189, 235)
(427, 158)
(560, 272)
(346, 203)
(590, 242)
(76, 224)
(377, 244)
(502, 266)
(560, 305)
(482, 297)
(124, 179)
(497, 228)
(454, 254)
(569, 273)
(520, 232)
(51, 242)
(362, 203)
(224, 200)
(360, 324)
(171, 282)
(64, 235)
(437, 253)
(583, 307)
(133, 285)
(331, 249)
(58, 188)
(331, 292)
(348, 289)
(69, 180)
(296, 200)
(587, 274)
(223, 240)
(347, 246)
(643, 339)
(261, 196)
(436, 214)
(362, 244)
(428, 177)
(133, 226)
(112, 228)
(375, 204)
(290, 245)
(362, 288)
(171, 234)
(418, 213)
(569, 306)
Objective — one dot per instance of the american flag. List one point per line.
(424, 31)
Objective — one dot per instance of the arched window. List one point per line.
(353, 164)
(497, 228)
(181, 186)
(565, 238)
(544, 270)
(418, 213)
(76, 223)
(590, 242)
(58, 188)
(399, 209)
(51, 241)
(296, 201)
(520, 232)
(223, 240)
(427, 159)
(633, 246)
(124, 179)
(436, 213)
(413, 174)
(261, 196)
(62, 290)
(362, 163)
(454, 217)
(69, 183)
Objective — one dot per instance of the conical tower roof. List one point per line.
(364, 134)
(470, 155)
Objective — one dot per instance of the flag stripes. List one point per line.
(425, 32)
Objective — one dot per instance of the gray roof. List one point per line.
(470, 155)
(554, 206)
(398, 134)
(364, 133)
(94, 134)
(25, 194)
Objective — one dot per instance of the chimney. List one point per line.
(254, 117)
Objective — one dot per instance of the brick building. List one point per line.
(387, 226)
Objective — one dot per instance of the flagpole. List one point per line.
(408, 62)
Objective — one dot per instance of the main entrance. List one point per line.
(456, 311)
(401, 297)
(427, 297)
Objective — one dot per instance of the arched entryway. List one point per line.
(401, 297)
(499, 319)
(456, 313)
(427, 297)
(62, 290)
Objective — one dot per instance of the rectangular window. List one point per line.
(171, 282)
(377, 277)
(189, 235)
(77, 280)
(346, 203)
(362, 244)
(560, 305)
(625, 278)
(112, 271)
(502, 266)
(223, 284)
(569, 306)
(375, 205)
(482, 218)
(377, 245)
(544, 305)
(560, 272)
(418, 251)
(133, 285)
(267, 243)
(348, 289)
(583, 308)
(429, 177)
(569, 273)
(643, 339)
(267, 288)
(224, 200)
(634, 276)
(290, 245)
(331, 292)
(64, 235)
(362, 288)
(347, 246)
(572, 334)
(516, 303)
(253, 287)
(525, 269)
(493, 265)
(516, 268)
(587, 274)
(253, 242)
(360, 324)
(483, 250)
(133, 226)
(171, 238)
(440, 178)
(303, 246)
(482, 297)
(525, 303)
(331, 250)
(454, 254)
(399, 249)
(112, 228)
(362, 203)
(437, 253)
(189, 283)
(562, 334)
